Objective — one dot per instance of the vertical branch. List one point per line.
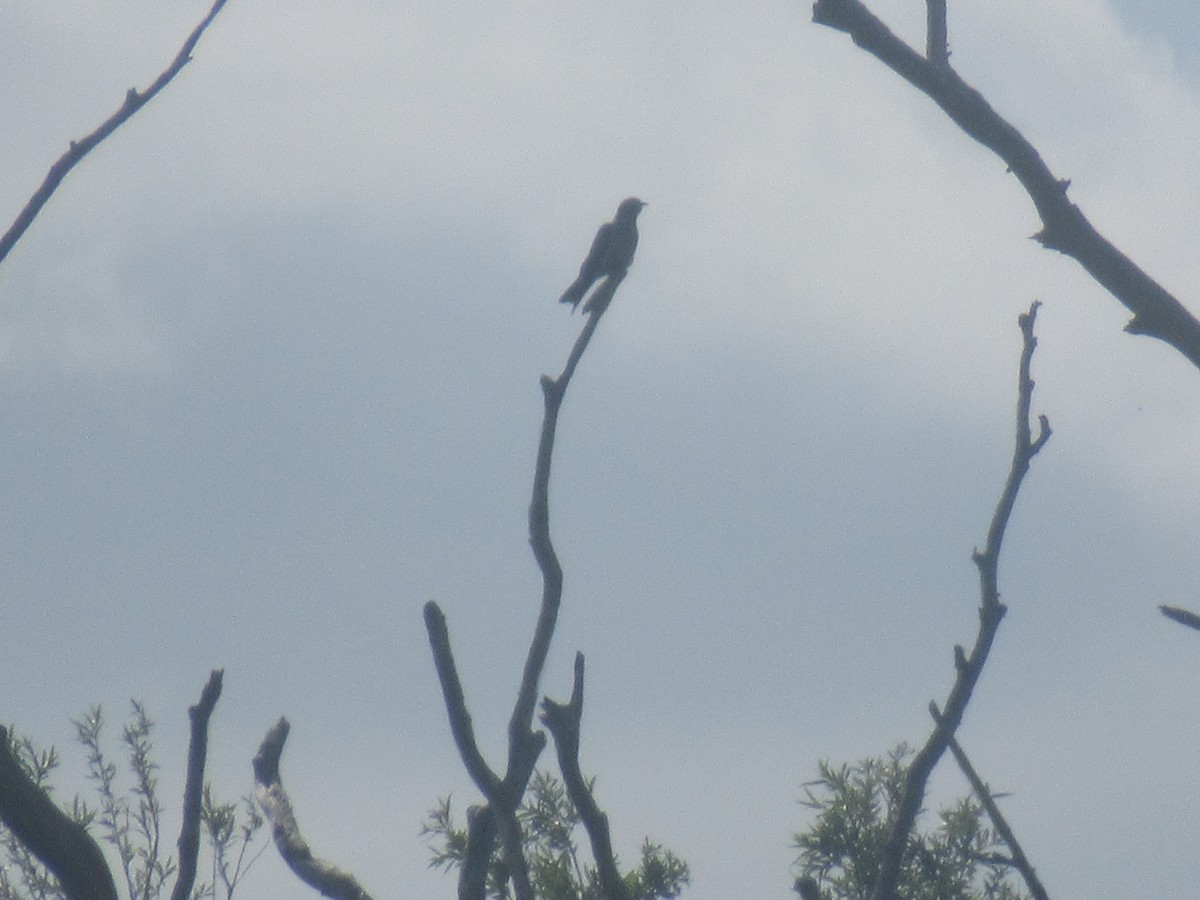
(80, 148)
(189, 832)
(1019, 860)
(564, 720)
(937, 49)
(62, 845)
(991, 612)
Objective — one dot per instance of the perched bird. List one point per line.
(611, 253)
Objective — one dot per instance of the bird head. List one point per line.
(629, 208)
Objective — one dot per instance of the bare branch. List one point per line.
(189, 833)
(991, 612)
(1182, 616)
(134, 101)
(937, 49)
(62, 844)
(1019, 861)
(1064, 227)
(316, 873)
(563, 720)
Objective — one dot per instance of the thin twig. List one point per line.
(1064, 227)
(134, 100)
(937, 49)
(318, 874)
(991, 612)
(189, 832)
(1019, 860)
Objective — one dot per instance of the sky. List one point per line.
(269, 370)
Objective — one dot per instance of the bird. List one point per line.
(611, 253)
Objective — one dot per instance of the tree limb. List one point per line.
(499, 819)
(1019, 861)
(563, 720)
(134, 101)
(1182, 616)
(62, 844)
(189, 833)
(1064, 227)
(991, 612)
(324, 877)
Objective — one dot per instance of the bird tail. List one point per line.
(574, 294)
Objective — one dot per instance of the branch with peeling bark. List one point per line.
(991, 612)
(1156, 312)
(316, 873)
(498, 820)
(134, 100)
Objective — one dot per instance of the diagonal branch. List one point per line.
(316, 873)
(1064, 227)
(991, 612)
(134, 100)
(189, 833)
(563, 720)
(1019, 860)
(1182, 616)
(62, 844)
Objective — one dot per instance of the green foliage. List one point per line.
(960, 858)
(129, 821)
(548, 823)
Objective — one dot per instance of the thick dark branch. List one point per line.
(79, 149)
(189, 833)
(316, 873)
(1064, 227)
(563, 720)
(991, 612)
(1019, 861)
(1182, 616)
(62, 844)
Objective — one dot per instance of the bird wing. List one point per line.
(596, 263)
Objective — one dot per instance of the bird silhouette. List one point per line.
(611, 253)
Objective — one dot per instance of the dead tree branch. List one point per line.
(564, 720)
(189, 833)
(1182, 616)
(991, 612)
(134, 100)
(62, 844)
(498, 820)
(318, 874)
(1064, 227)
(1019, 860)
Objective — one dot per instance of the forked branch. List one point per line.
(134, 100)
(564, 720)
(1064, 227)
(991, 612)
(498, 820)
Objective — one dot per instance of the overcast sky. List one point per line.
(268, 383)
